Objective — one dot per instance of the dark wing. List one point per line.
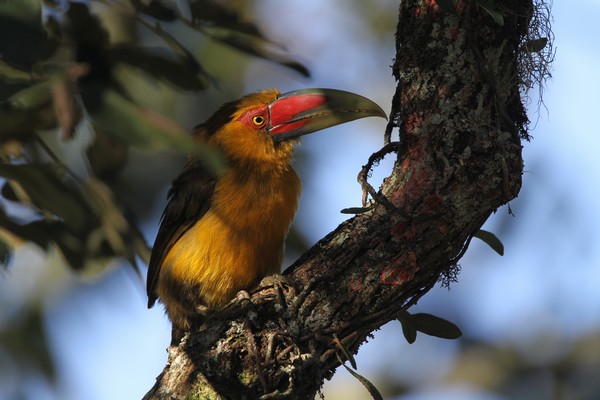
(189, 199)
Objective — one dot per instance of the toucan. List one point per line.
(221, 233)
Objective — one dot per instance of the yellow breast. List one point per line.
(238, 241)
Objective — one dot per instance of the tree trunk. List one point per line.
(461, 120)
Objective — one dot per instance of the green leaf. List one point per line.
(8, 193)
(53, 28)
(156, 10)
(179, 74)
(20, 123)
(356, 210)
(11, 74)
(347, 354)
(185, 56)
(107, 155)
(225, 24)
(24, 340)
(47, 191)
(410, 333)
(26, 11)
(47, 232)
(434, 326)
(140, 126)
(32, 97)
(44, 232)
(213, 13)
(24, 41)
(491, 240)
(491, 9)
(535, 45)
(255, 47)
(86, 30)
(366, 383)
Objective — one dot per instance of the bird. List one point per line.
(221, 233)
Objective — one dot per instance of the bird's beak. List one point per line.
(305, 111)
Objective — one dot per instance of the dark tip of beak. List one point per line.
(304, 111)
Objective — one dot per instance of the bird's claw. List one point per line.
(242, 296)
(277, 281)
(202, 310)
(280, 283)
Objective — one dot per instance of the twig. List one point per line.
(270, 343)
(387, 136)
(253, 352)
(295, 307)
(366, 170)
(58, 161)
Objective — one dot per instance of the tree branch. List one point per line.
(461, 118)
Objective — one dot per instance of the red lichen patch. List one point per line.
(453, 32)
(443, 229)
(410, 233)
(426, 7)
(405, 165)
(399, 198)
(400, 270)
(421, 176)
(431, 205)
(419, 148)
(460, 6)
(413, 121)
(355, 285)
(404, 230)
(399, 228)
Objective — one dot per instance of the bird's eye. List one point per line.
(258, 120)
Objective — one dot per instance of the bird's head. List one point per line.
(264, 126)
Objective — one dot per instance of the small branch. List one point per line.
(392, 122)
(366, 171)
(253, 352)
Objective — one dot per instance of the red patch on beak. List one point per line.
(285, 110)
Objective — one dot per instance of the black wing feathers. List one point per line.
(189, 199)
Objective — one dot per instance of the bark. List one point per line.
(460, 117)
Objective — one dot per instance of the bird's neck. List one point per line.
(250, 194)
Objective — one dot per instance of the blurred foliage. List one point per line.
(65, 95)
(59, 72)
(548, 365)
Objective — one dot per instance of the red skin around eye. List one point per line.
(283, 111)
(247, 117)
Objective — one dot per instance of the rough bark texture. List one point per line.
(461, 119)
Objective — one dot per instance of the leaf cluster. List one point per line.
(59, 73)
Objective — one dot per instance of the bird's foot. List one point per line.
(241, 297)
(282, 284)
(278, 280)
(202, 310)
